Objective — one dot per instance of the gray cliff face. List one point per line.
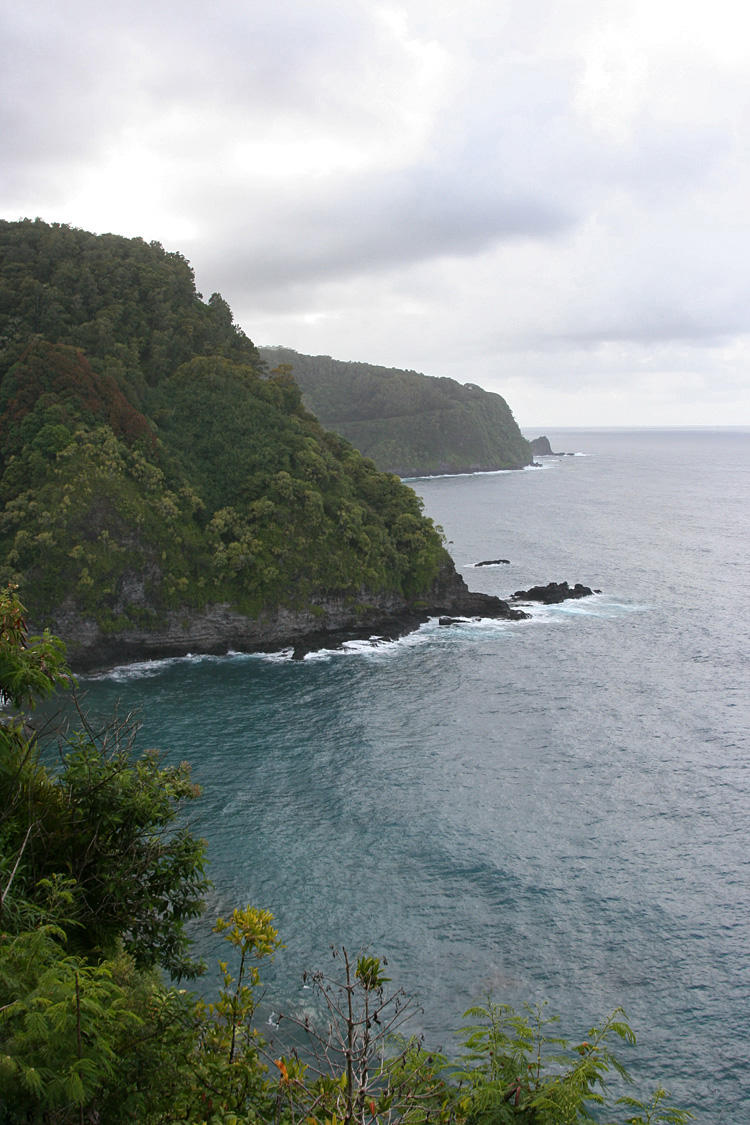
(220, 628)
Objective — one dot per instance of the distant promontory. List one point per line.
(407, 423)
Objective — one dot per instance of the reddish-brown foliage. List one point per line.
(62, 376)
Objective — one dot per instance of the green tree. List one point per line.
(514, 1069)
(64, 1023)
(31, 667)
(68, 1018)
(108, 819)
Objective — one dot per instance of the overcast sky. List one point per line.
(550, 199)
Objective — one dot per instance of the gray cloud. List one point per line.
(527, 195)
(373, 223)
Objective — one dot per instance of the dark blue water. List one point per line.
(556, 809)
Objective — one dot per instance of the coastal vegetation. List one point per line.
(408, 423)
(150, 463)
(99, 873)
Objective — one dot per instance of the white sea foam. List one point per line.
(147, 669)
(598, 605)
(379, 647)
(143, 669)
(478, 473)
(375, 646)
(281, 657)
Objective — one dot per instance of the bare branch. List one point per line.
(3, 896)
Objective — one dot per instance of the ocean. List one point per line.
(554, 810)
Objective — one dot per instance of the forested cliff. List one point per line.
(408, 423)
(159, 486)
(152, 468)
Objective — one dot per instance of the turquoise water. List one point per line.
(555, 809)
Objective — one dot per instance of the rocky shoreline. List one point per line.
(332, 620)
(218, 629)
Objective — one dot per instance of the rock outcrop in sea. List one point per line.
(553, 593)
(540, 447)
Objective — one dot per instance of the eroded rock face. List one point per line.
(221, 628)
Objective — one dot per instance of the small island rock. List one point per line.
(541, 447)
